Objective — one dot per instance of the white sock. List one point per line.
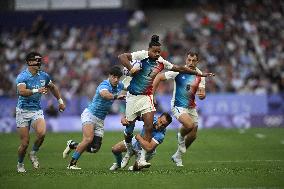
(33, 152)
(180, 137)
(143, 155)
(129, 147)
(178, 154)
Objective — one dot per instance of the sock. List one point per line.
(34, 149)
(142, 155)
(129, 147)
(181, 138)
(21, 159)
(118, 158)
(178, 154)
(76, 155)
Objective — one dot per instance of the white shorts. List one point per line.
(137, 105)
(178, 111)
(88, 118)
(25, 118)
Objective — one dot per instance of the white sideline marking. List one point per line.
(282, 141)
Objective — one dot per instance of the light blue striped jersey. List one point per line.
(99, 106)
(41, 79)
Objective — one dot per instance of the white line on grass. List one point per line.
(242, 161)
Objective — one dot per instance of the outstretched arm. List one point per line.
(183, 69)
(148, 146)
(56, 93)
(109, 96)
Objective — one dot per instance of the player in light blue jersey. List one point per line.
(31, 84)
(158, 135)
(93, 117)
(139, 100)
(183, 103)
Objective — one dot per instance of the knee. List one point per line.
(95, 148)
(188, 125)
(95, 144)
(114, 150)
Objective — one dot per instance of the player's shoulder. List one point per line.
(23, 74)
(105, 82)
(120, 85)
(43, 73)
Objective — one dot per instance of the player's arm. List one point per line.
(183, 69)
(160, 77)
(201, 93)
(23, 91)
(109, 96)
(56, 93)
(148, 146)
(125, 60)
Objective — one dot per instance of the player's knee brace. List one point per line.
(95, 146)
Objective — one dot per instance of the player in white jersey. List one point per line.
(139, 100)
(183, 103)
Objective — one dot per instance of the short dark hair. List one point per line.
(154, 41)
(193, 53)
(115, 71)
(168, 117)
(33, 56)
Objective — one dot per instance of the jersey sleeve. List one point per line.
(167, 64)
(171, 74)
(47, 79)
(104, 86)
(202, 82)
(20, 80)
(139, 55)
(158, 138)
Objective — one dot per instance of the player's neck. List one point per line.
(33, 71)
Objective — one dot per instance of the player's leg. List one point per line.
(40, 130)
(117, 150)
(95, 145)
(88, 135)
(24, 137)
(71, 145)
(148, 119)
(128, 135)
(191, 136)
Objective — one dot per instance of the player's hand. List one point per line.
(42, 90)
(124, 121)
(134, 70)
(61, 107)
(121, 97)
(207, 75)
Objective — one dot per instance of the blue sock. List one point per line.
(118, 158)
(76, 155)
(35, 148)
(21, 159)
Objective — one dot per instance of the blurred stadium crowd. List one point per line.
(242, 42)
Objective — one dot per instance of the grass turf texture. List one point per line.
(219, 158)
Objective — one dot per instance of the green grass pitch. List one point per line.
(219, 158)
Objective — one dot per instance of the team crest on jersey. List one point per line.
(42, 82)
